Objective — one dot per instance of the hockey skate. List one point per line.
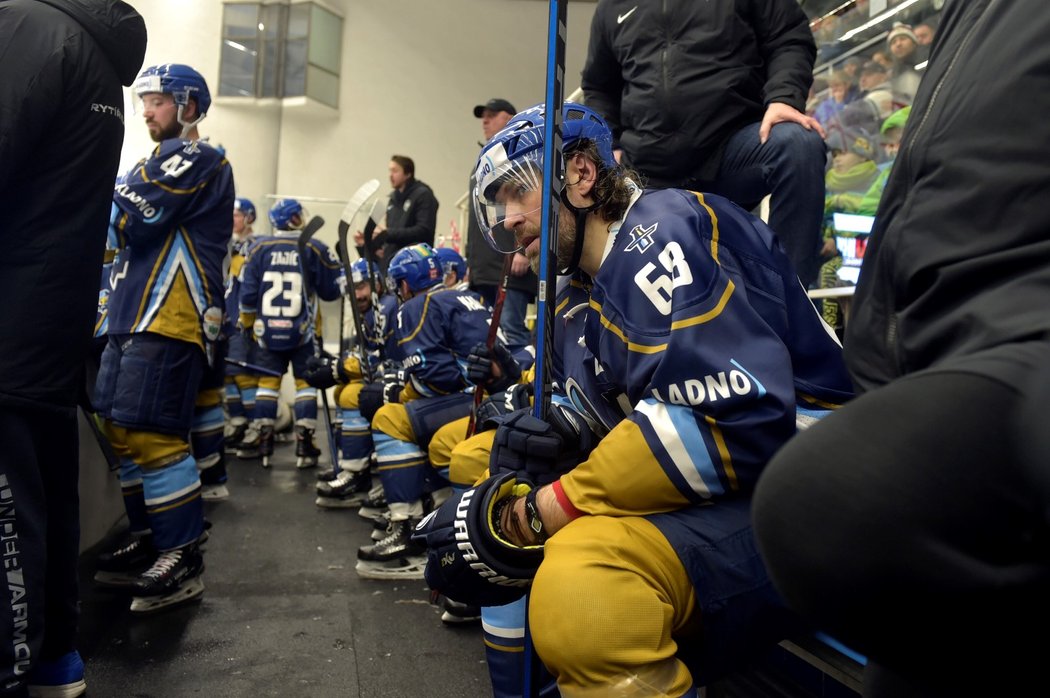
(381, 526)
(174, 578)
(306, 451)
(215, 493)
(266, 444)
(374, 504)
(248, 447)
(120, 568)
(394, 557)
(233, 435)
(345, 483)
(456, 613)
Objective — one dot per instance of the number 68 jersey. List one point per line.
(706, 341)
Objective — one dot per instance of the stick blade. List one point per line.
(359, 198)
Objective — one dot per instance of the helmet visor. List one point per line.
(506, 192)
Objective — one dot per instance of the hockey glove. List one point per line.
(516, 397)
(324, 371)
(393, 384)
(468, 558)
(541, 451)
(480, 366)
(370, 399)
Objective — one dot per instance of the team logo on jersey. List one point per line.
(149, 212)
(641, 238)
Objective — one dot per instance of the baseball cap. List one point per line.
(496, 104)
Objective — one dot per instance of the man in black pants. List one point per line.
(912, 524)
(61, 128)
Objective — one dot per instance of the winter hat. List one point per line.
(901, 29)
(854, 140)
(896, 120)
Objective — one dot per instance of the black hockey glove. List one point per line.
(541, 451)
(324, 371)
(479, 366)
(370, 399)
(516, 397)
(468, 558)
(393, 384)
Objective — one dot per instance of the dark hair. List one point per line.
(406, 164)
(612, 190)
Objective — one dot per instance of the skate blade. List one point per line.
(371, 513)
(189, 590)
(304, 463)
(452, 619)
(117, 581)
(402, 568)
(248, 454)
(335, 502)
(215, 493)
(266, 461)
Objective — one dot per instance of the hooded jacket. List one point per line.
(62, 63)
(957, 270)
(675, 79)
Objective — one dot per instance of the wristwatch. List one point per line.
(532, 514)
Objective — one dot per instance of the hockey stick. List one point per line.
(252, 367)
(304, 237)
(497, 311)
(373, 284)
(546, 296)
(353, 208)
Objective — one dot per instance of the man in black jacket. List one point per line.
(913, 524)
(61, 129)
(711, 96)
(411, 213)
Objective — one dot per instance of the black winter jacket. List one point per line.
(676, 78)
(411, 217)
(62, 63)
(957, 270)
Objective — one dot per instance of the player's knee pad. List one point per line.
(348, 397)
(392, 420)
(152, 450)
(208, 397)
(470, 460)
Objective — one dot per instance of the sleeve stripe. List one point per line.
(680, 437)
(714, 225)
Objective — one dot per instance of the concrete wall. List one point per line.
(412, 71)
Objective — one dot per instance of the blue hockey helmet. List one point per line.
(514, 158)
(359, 272)
(282, 212)
(417, 266)
(246, 207)
(180, 81)
(450, 260)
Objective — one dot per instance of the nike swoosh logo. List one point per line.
(620, 18)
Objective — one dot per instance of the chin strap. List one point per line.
(581, 226)
(187, 126)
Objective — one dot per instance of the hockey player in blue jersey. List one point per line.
(275, 309)
(705, 352)
(453, 266)
(241, 384)
(436, 328)
(351, 484)
(164, 315)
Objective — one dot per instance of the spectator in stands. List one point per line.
(883, 59)
(904, 45)
(839, 89)
(852, 173)
(912, 523)
(485, 263)
(925, 30)
(891, 132)
(724, 116)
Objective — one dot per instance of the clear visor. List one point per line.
(505, 193)
(143, 102)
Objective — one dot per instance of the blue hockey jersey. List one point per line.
(238, 253)
(435, 333)
(172, 233)
(274, 291)
(705, 343)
